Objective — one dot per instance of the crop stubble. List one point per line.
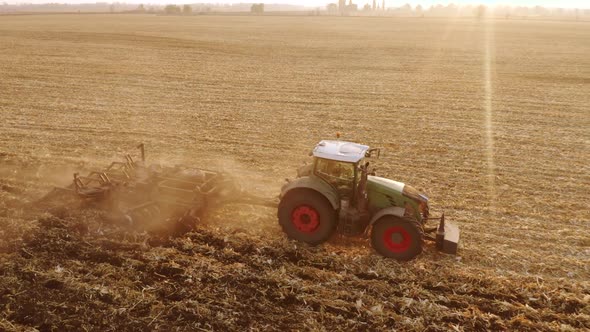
(255, 94)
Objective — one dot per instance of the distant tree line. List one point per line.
(177, 10)
(452, 10)
(257, 8)
(342, 7)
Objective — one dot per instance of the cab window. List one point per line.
(337, 173)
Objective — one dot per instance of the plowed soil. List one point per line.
(488, 118)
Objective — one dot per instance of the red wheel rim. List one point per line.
(397, 239)
(305, 218)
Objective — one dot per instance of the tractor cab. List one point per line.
(341, 164)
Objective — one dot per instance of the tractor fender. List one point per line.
(321, 187)
(389, 211)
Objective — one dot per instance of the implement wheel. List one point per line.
(307, 216)
(397, 238)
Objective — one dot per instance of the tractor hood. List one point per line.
(391, 187)
(385, 185)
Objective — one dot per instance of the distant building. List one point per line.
(341, 6)
(352, 7)
(332, 8)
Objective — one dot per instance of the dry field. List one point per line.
(490, 119)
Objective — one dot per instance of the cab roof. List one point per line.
(340, 151)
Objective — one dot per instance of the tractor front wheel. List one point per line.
(397, 238)
(307, 216)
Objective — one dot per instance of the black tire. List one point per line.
(307, 216)
(398, 238)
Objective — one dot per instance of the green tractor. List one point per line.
(340, 192)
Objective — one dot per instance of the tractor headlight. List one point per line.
(424, 209)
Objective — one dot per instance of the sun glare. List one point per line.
(488, 109)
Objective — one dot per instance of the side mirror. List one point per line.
(375, 152)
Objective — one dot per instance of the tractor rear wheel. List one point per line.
(307, 216)
(397, 238)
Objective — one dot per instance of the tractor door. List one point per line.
(341, 175)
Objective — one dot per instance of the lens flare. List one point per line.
(488, 111)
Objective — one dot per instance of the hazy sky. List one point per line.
(315, 3)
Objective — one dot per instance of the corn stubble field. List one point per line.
(489, 118)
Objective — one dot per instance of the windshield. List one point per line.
(337, 173)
